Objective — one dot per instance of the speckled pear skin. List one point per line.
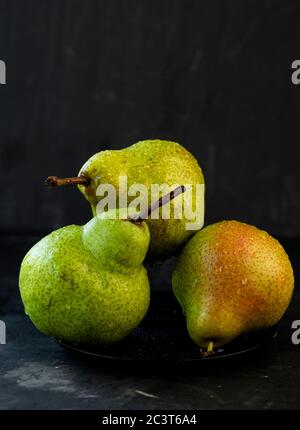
(87, 284)
(232, 278)
(147, 162)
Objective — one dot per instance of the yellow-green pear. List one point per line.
(87, 283)
(232, 278)
(148, 162)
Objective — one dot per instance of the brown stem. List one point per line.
(210, 350)
(55, 181)
(159, 203)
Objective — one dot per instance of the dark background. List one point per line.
(83, 76)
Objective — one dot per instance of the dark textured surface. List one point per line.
(89, 75)
(36, 373)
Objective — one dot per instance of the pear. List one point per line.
(147, 162)
(230, 279)
(87, 284)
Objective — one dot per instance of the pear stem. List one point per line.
(55, 181)
(209, 350)
(210, 347)
(159, 203)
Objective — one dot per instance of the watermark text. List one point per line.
(2, 333)
(2, 72)
(136, 198)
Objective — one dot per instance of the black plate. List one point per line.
(162, 337)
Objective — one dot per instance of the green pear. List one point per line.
(230, 279)
(147, 162)
(87, 283)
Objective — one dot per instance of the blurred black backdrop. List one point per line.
(83, 76)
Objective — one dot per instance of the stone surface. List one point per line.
(36, 373)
